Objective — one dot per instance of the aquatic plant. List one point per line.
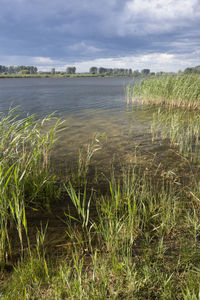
(85, 156)
(181, 128)
(25, 177)
(173, 91)
(81, 203)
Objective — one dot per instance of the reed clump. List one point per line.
(25, 176)
(181, 128)
(173, 91)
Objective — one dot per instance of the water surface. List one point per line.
(90, 106)
(65, 95)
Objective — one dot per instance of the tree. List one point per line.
(145, 71)
(130, 72)
(188, 70)
(136, 73)
(3, 69)
(11, 70)
(17, 69)
(195, 70)
(110, 71)
(33, 70)
(71, 70)
(93, 70)
(102, 70)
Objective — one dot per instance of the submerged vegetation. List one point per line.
(135, 238)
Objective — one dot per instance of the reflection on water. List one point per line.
(89, 106)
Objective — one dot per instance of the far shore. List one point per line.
(45, 75)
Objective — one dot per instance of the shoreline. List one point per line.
(62, 76)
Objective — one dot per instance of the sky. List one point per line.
(162, 35)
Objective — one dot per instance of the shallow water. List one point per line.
(90, 106)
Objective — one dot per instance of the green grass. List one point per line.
(173, 91)
(136, 239)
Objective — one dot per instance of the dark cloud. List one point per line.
(84, 29)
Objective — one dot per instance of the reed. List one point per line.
(181, 128)
(25, 176)
(81, 203)
(143, 243)
(173, 91)
(126, 249)
(84, 159)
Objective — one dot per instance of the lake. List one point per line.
(90, 106)
(65, 95)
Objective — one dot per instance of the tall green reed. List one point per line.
(84, 159)
(25, 176)
(173, 91)
(181, 127)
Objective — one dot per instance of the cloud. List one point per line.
(42, 60)
(161, 16)
(163, 9)
(63, 32)
(83, 48)
(156, 62)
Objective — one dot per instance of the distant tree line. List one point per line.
(104, 71)
(193, 70)
(93, 70)
(18, 69)
(69, 70)
(101, 70)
